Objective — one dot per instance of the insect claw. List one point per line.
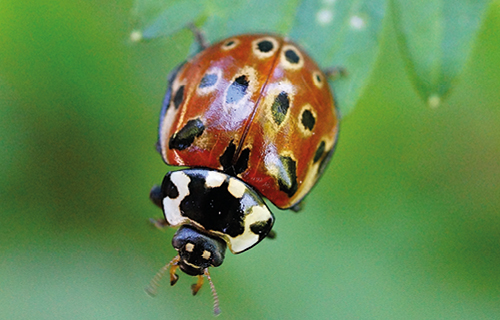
(195, 287)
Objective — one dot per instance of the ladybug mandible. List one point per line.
(252, 116)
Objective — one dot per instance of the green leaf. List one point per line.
(435, 38)
(229, 17)
(335, 33)
(344, 34)
(172, 18)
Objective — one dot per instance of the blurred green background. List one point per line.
(405, 224)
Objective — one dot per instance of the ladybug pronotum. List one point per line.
(251, 116)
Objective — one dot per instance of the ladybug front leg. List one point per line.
(199, 36)
(298, 206)
(197, 286)
(159, 223)
(271, 235)
(335, 73)
(156, 196)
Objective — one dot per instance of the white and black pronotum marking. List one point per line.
(213, 208)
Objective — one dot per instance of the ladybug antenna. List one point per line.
(214, 293)
(152, 289)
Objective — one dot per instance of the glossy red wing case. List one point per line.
(254, 106)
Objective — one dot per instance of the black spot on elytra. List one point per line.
(265, 46)
(308, 120)
(237, 89)
(226, 160)
(261, 228)
(185, 137)
(287, 176)
(324, 162)
(166, 103)
(319, 152)
(229, 43)
(179, 96)
(318, 78)
(280, 107)
(213, 208)
(169, 188)
(242, 162)
(208, 80)
(292, 56)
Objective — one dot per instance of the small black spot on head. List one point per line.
(287, 177)
(319, 152)
(229, 43)
(265, 46)
(308, 120)
(185, 137)
(179, 96)
(292, 56)
(280, 107)
(318, 78)
(208, 80)
(237, 89)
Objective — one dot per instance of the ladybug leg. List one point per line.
(271, 235)
(197, 286)
(199, 36)
(174, 266)
(159, 223)
(335, 73)
(297, 207)
(156, 195)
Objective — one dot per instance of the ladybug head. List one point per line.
(197, 251)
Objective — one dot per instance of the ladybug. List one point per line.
(251, 116)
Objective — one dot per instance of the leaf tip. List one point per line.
(136, 36)
(434, 101)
